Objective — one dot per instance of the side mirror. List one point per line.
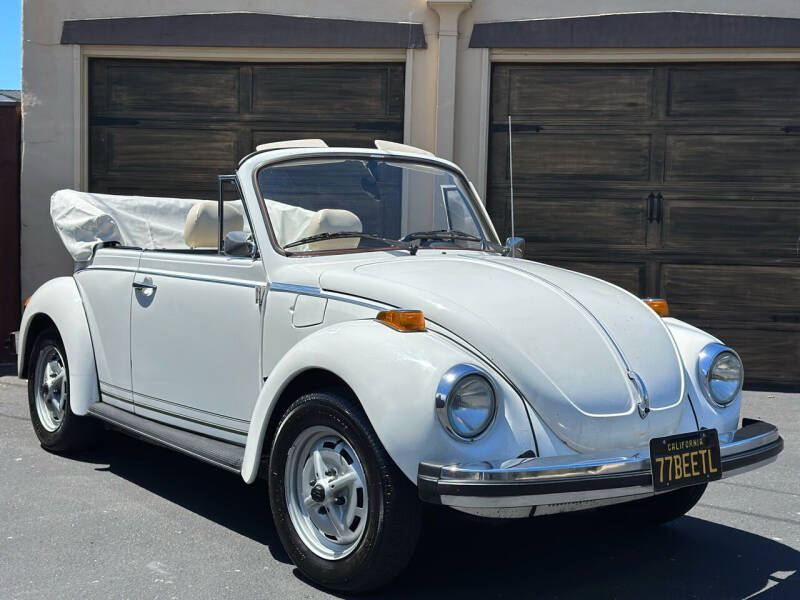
(239, 243)
(515, 247)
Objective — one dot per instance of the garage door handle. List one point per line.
(660, 209)
(651, 208)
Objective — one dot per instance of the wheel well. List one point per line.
(39, 323)
(312, 380)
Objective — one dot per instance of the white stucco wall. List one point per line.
(51, 85)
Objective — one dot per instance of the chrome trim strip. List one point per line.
(139, 404)
(307, 290)
(589, 477)
(550, 468)
(116, 387)
(539, 499)
(747, 444)
(239, 282)
(164, 273)
(102, 268)
(207, 412)
(125, 400)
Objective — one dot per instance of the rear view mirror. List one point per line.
(239, 243)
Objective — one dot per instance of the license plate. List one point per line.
(685, 459)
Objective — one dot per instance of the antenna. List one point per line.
(511, 173)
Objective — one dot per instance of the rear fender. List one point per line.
(60, 301)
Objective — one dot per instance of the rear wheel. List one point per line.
(49, 401)
(347, 516)
(658, 509)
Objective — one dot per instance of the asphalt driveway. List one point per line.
(130, 520)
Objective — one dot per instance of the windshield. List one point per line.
(353, 203)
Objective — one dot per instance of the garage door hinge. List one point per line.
(261, 292)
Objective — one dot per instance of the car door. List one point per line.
(196, 326)
(105, 287)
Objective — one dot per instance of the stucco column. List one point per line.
(449, 11)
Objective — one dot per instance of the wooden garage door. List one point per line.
(170, 127)
(673, 180)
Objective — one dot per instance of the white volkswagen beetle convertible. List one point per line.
(346, 323)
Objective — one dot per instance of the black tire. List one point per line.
(71, 432)
(393, 513)
(659, 509)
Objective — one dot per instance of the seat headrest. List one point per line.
(202, 223)
(332, 220)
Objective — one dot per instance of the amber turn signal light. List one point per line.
(403, 320)
(659, 305)
(28, 299)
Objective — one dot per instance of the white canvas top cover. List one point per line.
(84, 220)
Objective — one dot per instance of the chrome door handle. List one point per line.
(147, 289)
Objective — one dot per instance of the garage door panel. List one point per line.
(318, 91)
(734, 91)
(629, 276)
(718, 146)
(733, 293)
(162, 150)
(731, 227)
(120, 88)
(605, 221)
(726, 158)
(768, 356)
(542, 157)
(577, 92)
(170, 127)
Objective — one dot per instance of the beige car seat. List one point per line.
(202, 224)
(332, 220)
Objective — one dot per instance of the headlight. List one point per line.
(721, 373)
(465, 402)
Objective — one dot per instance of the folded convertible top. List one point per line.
(84, 220)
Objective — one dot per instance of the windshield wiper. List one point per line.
(350, 234)
(442, 234)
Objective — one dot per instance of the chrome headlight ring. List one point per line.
(714, 359)
(455, 380)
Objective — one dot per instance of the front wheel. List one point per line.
(347, 516)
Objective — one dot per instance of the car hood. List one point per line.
(567, 341)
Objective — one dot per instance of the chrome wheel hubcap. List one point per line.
(52, 388)
(326, 492)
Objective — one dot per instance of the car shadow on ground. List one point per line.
(548, 557)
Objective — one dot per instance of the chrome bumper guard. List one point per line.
(536, 481)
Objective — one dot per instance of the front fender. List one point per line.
(690, 341)
(394, 376)
(60, 300)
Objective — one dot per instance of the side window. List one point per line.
(459, 216)
(202, 231)
(234, 234)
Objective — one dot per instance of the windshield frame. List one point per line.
(487, 229)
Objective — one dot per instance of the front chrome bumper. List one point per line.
(578, 478)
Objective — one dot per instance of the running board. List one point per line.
(226, 455)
